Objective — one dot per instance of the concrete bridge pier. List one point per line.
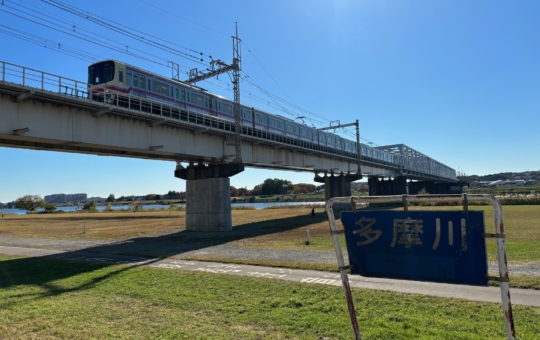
(430, 186)
(208, 195)
(380, 187)
(337, 186)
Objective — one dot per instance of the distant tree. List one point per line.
(49, 208)
(157, 197)
(174, 195)
(150, 197)
(109, 208)
(241, 191)
(302, 188)
(257, 190)
(29, 202)
(90, 206)
(276, 186)
(110, 198)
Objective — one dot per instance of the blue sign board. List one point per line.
(439, 246)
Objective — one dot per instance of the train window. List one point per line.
(121, 76)
(161, 88)
(142, 82)
(177, 93)
(226, 108)
(149, 87)
(219, 106)
(135, 80)
(187, 95)
(197, 99)
(172, 92)
(206, 102)
(183, 94)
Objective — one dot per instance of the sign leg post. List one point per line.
(343, 272)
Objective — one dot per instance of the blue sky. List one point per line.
(456, 80)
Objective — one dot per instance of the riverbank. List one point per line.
(272, 237)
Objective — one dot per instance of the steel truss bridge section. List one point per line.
(21, 83)
(414, 162)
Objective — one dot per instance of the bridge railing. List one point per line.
(42, 80)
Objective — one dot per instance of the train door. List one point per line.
(212, 107)
(121, 77)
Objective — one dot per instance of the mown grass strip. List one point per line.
(50, 299)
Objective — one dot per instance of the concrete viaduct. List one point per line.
(43, 111)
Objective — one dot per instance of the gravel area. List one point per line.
(171, 247)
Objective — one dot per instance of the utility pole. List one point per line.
(218, 67)
(175, 70)
(358, 148)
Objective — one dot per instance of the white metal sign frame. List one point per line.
(405, 199)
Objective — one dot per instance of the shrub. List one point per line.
(90, 206)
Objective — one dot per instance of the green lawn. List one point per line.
(58, 299)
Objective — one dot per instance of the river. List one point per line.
(260, 205)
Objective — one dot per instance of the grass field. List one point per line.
(56, 299)
(284, 228)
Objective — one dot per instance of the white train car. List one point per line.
(126, 80)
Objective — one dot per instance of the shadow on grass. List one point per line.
(43, 271)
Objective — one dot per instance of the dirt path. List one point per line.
(171, 248)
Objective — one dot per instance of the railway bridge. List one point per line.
(43, 111)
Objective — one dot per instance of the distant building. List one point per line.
(63, 198)
(56, 198)
(507, 184)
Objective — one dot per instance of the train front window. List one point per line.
(101, 73)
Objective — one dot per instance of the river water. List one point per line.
(166, 206)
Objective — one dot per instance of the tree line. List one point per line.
(271, 186)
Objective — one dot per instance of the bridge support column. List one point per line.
(208, 196)
(337, 186)
(381, 187)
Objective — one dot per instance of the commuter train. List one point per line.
(135, 82)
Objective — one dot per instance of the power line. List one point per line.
(88, 40)
(117, 28)
(280, 103)
(260, 64)
(76, 28)
(180, 17)
(54, 46)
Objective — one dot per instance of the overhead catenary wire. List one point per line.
(94, 18)
(76, 28)
(183, 18)
(85, 39)
(54, 45)
(287, 106)
(124, 30)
